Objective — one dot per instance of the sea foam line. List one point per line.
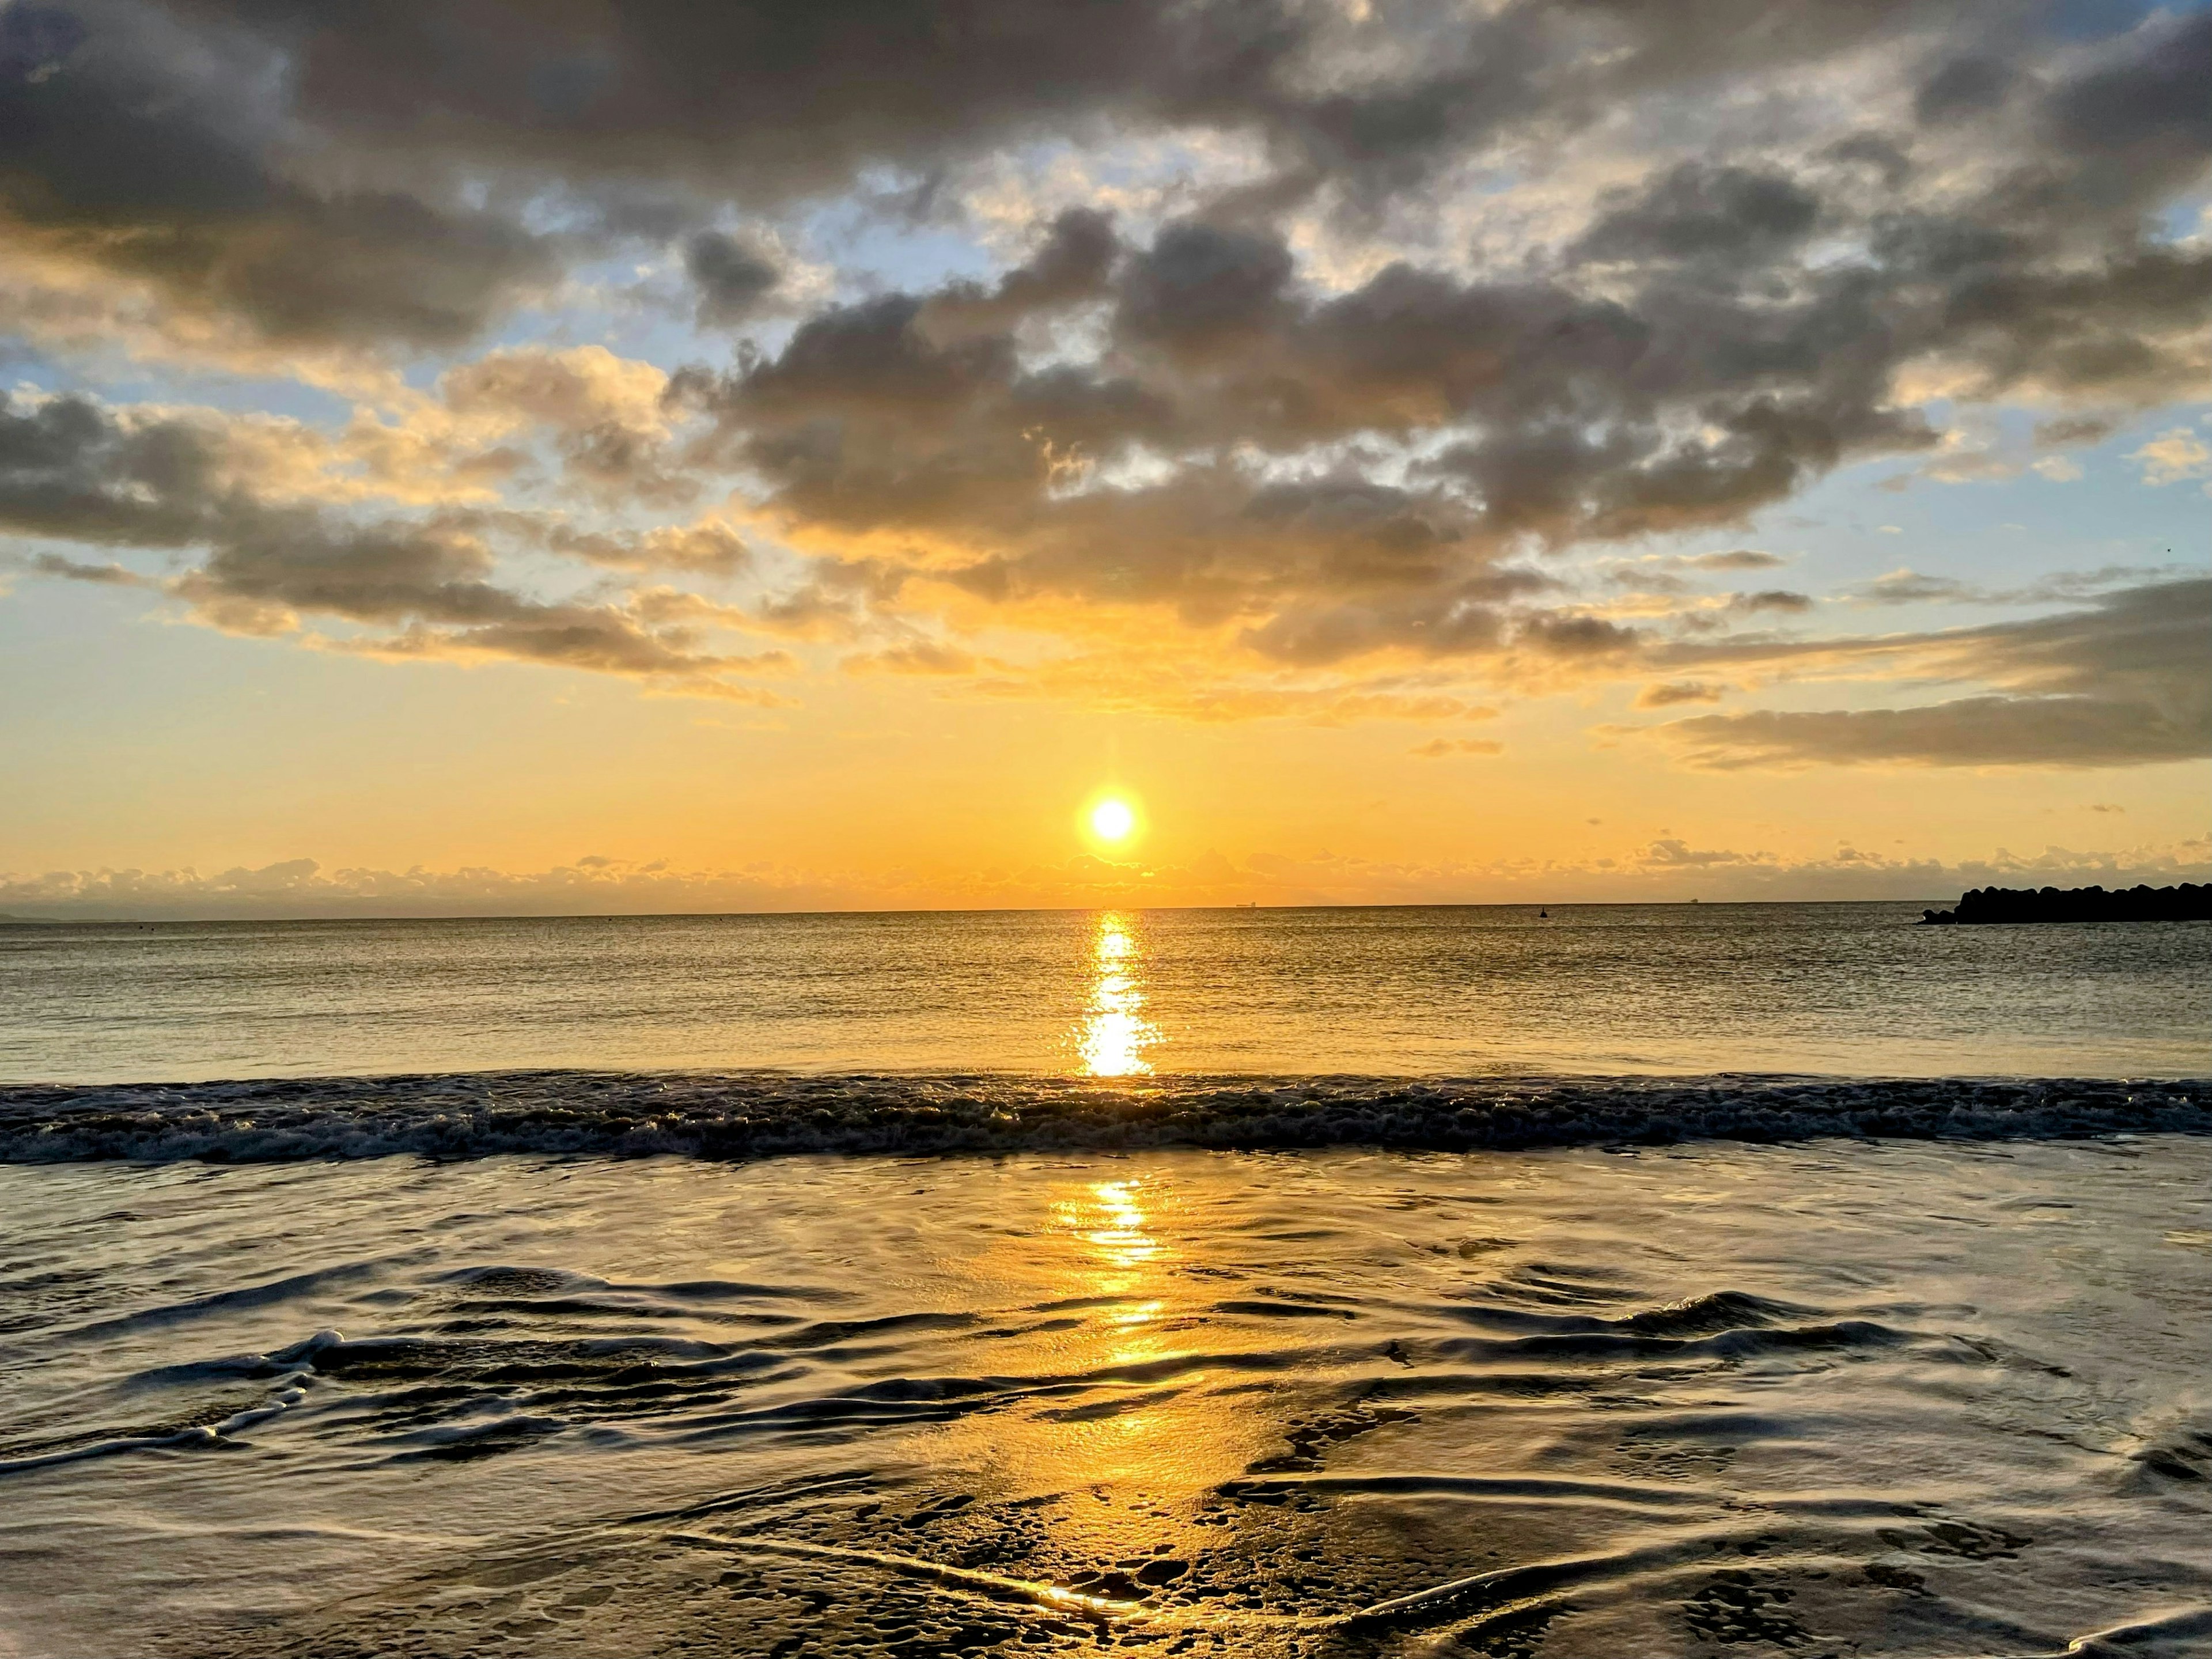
(736, 1115)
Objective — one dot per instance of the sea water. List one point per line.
(1852, 989)
(1667, 1280)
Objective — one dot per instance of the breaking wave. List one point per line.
(739, 1115)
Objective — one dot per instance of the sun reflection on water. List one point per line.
(1105, 1302)
(1122, 1239)
(1115, 1034)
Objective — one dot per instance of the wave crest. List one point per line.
(738, 1116)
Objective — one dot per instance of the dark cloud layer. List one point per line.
(133, 142)
(2126, 682)
(772, 97)
(1683, 363)
(2073, 731)
(318, 170)
(1202, 408)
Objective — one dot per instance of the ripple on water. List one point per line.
(1811, 1399)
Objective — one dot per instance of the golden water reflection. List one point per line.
(1107, 1301)
(1113, 1034)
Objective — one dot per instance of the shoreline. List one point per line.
(737, 1117)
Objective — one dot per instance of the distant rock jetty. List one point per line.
(2187, 903)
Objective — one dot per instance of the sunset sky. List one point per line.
(460, 456)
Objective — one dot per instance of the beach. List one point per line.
(1840, 1397)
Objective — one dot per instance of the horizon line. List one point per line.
(19, 920)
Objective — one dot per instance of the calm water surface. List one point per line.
(1847, 989)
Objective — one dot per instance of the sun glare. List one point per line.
(1112, 819)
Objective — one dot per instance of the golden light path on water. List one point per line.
(1113, 1035)
(1113, 1256)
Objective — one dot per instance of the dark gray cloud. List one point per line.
(2126, 681)
(1673, 693)
(110, 574)
(1698, 211)
(1968, 85)
(1071, 264)
(1774, 599)
(134, 144)
(2146, 101)
(733, 278)
(772, 97)
(1201, 289)
(1570, 413)
(366, 171)
(1990, 731)
(68, 471)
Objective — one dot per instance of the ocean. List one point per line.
(1622, 1281)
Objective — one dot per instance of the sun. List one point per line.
(1113, 819)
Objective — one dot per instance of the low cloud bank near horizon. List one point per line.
(1666, 870)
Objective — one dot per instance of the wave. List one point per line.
(739, 1115)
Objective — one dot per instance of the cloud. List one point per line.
(574, 391)
(70, 468)
(1700, 212)
(1444, 748)
(1071, 264)
(148, 145)
(1906, 587)
(2126, 682)
(1305, 336)
(1674, 693)
(2172, 457)
(1774, 599)
(2074, 429)
(76, 571)
(605, 415)
(733, 278)
(1990, 731)
(709, 548)
(1673, 854)
(1340, 467)
(915, 657)
(1742, 558)
(1666, 869)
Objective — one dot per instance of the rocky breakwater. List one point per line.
(2190, 902)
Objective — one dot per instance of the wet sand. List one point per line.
(1840, 1397)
